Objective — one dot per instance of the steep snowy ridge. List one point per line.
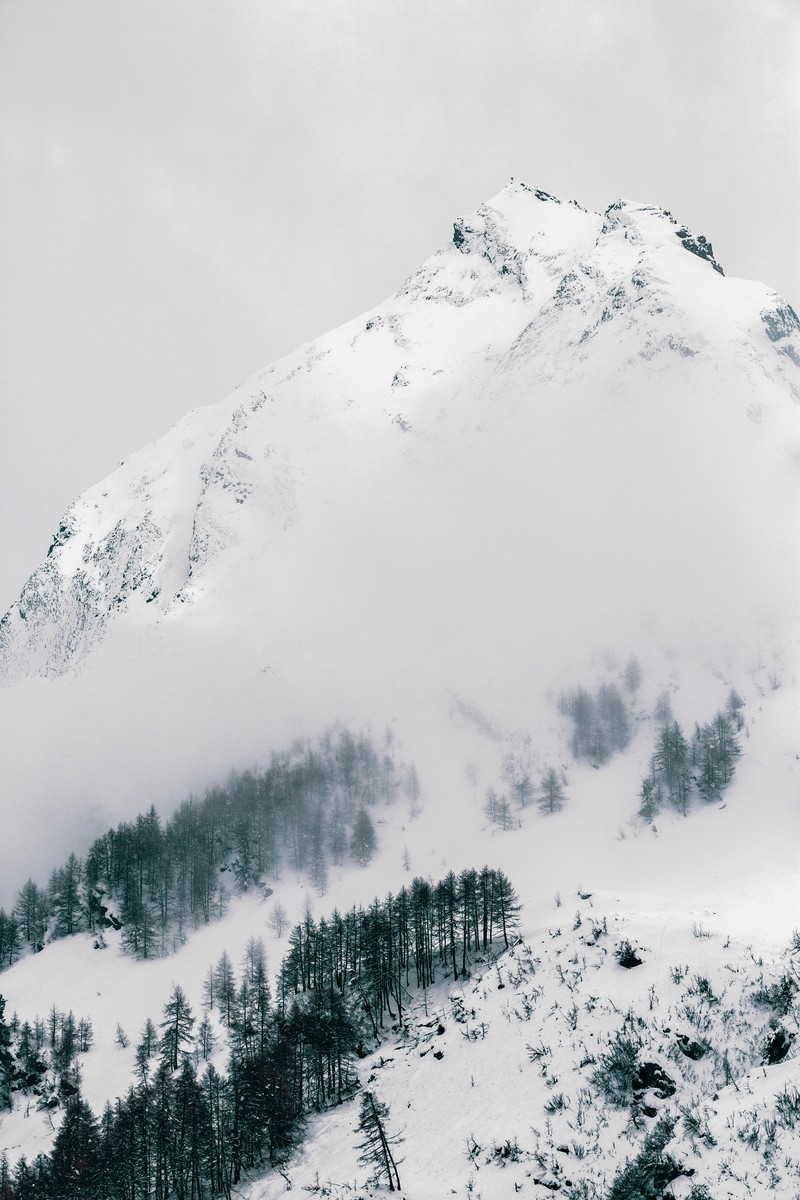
(532, 288)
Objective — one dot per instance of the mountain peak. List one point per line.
(649, 223)
(535, 296)
(520, 220)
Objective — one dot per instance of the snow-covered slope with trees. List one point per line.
(533, 522)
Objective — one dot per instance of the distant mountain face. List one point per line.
(565, 429)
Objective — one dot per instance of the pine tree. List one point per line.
(6, 1063)
(552, 796)
(225, 989)
(377, 1145)
(177, 1027)
(362, 843)
(75, 1162)
(651, 798)
(505, 905)
(65, 900)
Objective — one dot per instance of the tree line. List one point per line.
(309, 809)
(189, 1131)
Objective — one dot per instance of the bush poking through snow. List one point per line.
(646, 1177)
(615, 1074)
(626, 956)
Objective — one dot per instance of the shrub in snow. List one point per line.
(626, 956)
(615, 1074)
(646, 1177)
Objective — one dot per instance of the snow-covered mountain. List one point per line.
(560, 406)
(568, 437)
(565, 454)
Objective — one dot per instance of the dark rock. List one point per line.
(700, 246)
(690, 1049)
(650, 1076)
(781, 322)
(777, 1047)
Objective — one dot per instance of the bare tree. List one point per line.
(278, 919)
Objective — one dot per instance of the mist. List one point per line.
(514, 543)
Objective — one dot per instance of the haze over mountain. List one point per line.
(567, 439)
(532, 522)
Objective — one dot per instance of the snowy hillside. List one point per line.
(497, 1080)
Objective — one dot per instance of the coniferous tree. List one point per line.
(139, 929)
(552, 796)
(6, 1182)
(225, 989)
(6, 1062)
(733, 710)
(505, 905)
(75, 1161)
(376, 1147)
(65, 898)
(31, 912)
(362, 844)
(176, 1028)
(651, 797)
(9, 939)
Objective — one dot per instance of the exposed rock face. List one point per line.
(699, 246)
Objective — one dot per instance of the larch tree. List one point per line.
(176, 1028)
(376, 1148)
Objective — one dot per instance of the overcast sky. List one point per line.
(190, 189)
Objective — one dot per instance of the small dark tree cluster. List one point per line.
(681, 769)
(498, 810)
(307, 810)
(382, 951)
(6, 1062)
(550, 795)
(41, 1058)
(601, 724)
(10, 940)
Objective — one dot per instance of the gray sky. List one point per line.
(190, 189)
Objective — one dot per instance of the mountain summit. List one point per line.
(547, 388)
